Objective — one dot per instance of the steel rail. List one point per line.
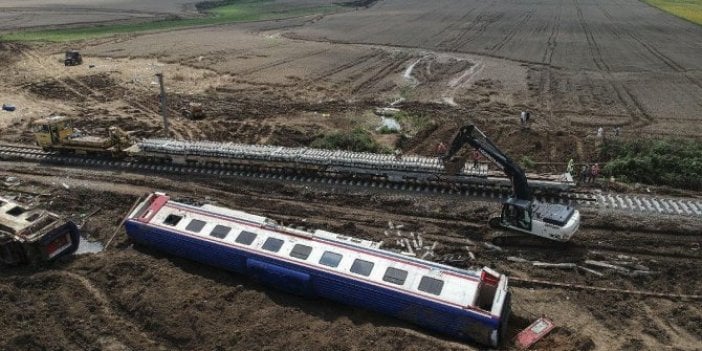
(475, 188)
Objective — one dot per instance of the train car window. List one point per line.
(172, 220)
(301, 251)
(272, 245)
(220, 231)
(395, 276)
(362, 267)
(330, 259)
(431, 285)
(195, 226)
(245, 237)
(16, 211)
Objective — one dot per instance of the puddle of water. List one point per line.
(89, 246)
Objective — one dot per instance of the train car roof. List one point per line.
(350, 258)
(16, 219)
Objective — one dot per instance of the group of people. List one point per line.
(616, 132)
(589, 173)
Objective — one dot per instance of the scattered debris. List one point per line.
(606, 265)
(492, 247)
(554, 265)
(86, 217)
(11, 181)
(533, 333)
(591, 271)
(386, 111)
(65, 186)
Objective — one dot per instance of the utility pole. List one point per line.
(164, 110)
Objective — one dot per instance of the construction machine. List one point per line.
(72, 58)
(55, 134)
(521, 213)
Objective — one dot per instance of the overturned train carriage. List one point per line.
(461, 303)
(33, 235)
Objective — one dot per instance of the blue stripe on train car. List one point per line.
(309, 282)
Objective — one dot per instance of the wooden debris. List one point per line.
(591, 271)
(492, 246)
(554, 265)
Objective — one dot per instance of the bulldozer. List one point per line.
(55, 134)
(72, 58)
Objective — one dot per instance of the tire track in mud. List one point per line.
(516, 28)
(667, 61)
(595, 51)
(379, 75)
(552, 40)
(627, 99)
(91, 96)
(376, 56)
(280, 62)
(454, 26)
(467, 35)
(129, 331)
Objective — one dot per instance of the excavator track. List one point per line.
(487, 188)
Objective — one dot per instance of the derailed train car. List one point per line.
(471, 305)
(34, 235)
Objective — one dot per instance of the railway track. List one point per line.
(643, 205)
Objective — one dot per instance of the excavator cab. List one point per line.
(51, 131)
(517, 213)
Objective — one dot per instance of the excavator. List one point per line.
(521, 213)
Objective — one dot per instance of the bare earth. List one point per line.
(577, 64)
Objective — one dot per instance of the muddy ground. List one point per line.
(133, 298)
(290, 82)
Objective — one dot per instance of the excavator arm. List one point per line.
(472, 136)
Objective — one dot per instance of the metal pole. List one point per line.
(164, 110)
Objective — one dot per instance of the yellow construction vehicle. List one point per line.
(55, 134)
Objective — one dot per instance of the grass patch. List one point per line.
(357, 140)
(412, 122)
(690, 10)
(221, 12)
(672, 162)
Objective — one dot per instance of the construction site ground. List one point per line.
(576, 65)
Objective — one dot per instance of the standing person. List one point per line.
(476, 158)
(595, 171)
(523, 119)
(441, 149)
(570, 167)
(584, 172)
(398, 154)
(526, 119)
(617, 130)
(600, 132)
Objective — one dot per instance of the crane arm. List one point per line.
(471, 135)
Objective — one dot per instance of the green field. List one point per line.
(690, 10)
(229, 11)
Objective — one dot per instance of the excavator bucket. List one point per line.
(454, 165)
